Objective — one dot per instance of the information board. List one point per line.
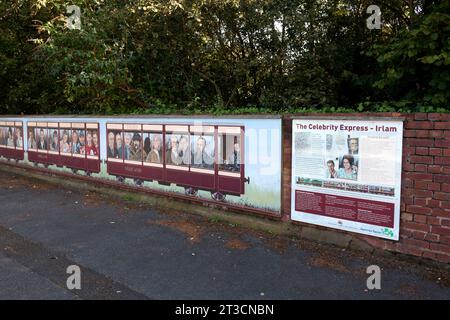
(346, 174)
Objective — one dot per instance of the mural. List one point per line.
(231, 160)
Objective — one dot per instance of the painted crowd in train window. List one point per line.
(182, 149)
(11, 137)
(232, 155)
(127, 146)
(65, 141)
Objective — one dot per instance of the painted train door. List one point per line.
(231, 162)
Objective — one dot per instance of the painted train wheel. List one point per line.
(88, 173)
(218, 196)
(120, 179)
(74, 171)
(138, 182)
(190, 191)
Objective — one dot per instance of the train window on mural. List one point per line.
(172, 149)
(64, 143)
(77, 140)
(112, 152)
(82, 141)
(178, 148)
(7, 136)
(18, 138)
(132, 146)
(53, 140)
(92, 146)
(122, 149)
(153, 147)
(203, 151)
(42, 139)
(18, 135)
(124, 145)
(230, 157)
(3, 136)
(32, 145)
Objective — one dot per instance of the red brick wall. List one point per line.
(425, 204)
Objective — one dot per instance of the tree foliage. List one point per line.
(222, 56)
(415, 63)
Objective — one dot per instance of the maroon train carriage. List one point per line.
(74, 145)
(207, 157)
(11, 140)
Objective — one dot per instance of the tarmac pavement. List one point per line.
(127, 250)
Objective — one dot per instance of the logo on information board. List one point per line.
(388, 232)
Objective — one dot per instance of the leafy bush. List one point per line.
(223, 57)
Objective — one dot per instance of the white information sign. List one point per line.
(346, 174)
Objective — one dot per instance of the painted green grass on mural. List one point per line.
(254, 196)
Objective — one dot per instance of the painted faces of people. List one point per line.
(353, 145)
(346, 164)
(119, 140)
(111, 140)
(74, 137)
(156, 142)
(127, 139)
(183, 143)
(136, 144)
(201, 144)
(331, 165)
(95, 138)
(174, 143)
(89, 138)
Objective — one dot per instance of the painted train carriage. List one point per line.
(196, 157)
(74, 145)
(202, 157)
(11, 140)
